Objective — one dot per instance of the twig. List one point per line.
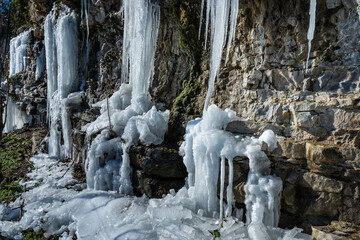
(72, 163)
(42, 141)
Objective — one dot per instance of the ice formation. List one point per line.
(61, 62)
(311, 30)
(16, 118)
(205, 149)
(129, 113)
(141, 26)
(220, 11)
(85, 11)
(53, 202)
(18, 52)
(40, 65)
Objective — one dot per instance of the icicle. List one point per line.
(217, 42)
(233, 21)
(125, 182)
(141, 26)
(51, 60)
(230, 188)
(40, 62)
(208, 7)
(310, 34)
(219, 12)
(222, 182)
(201, 17)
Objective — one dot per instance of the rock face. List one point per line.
(317, 112)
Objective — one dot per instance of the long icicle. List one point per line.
(310, 34)
(222, 183)
(219, 11)
(201, 17)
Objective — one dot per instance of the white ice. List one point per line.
(218, 13)
(40, 64)
(206, 148)
(18, 52)
(56, 202)
(62, 63)
(129, 113)
(16, 118)
(311, 30)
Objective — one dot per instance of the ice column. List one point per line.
(263, 191)
(206, 143)
(311, 30)
(16, 118)
(206, 148)
(40, 64)
(18, 46)
(53, 109)
(219, 11)
(61, 62)
(141, 26)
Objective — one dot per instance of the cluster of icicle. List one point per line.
(15, 117)
(18, 52)
(130, 112)
(61, 46)
(219, 12)
(206, 148)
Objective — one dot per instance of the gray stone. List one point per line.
(330, 4)
(158, 161)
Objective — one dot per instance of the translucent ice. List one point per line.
(52, 203)
(62, 64)
(18, 52)
(219, 12)
(311, 30)
(40, 65)
(16, 118)
(205, 149)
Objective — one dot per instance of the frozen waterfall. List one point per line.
(61, 62)
(16, 118)
(311, 31)
(133, 117)
(220, 13)
(18, 52)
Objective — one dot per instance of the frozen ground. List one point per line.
(60, 206)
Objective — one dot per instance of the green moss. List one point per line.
(186, 13)
(14, 165)
(30, 234)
